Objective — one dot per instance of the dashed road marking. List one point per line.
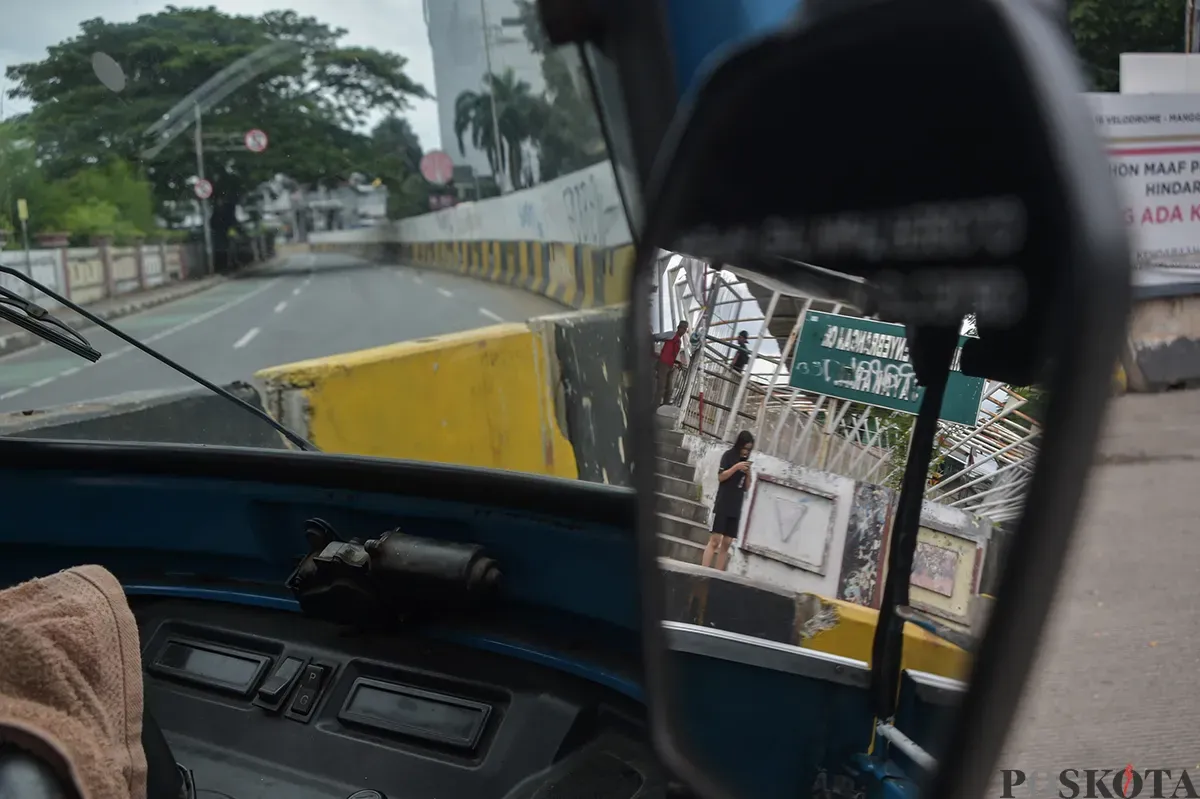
(246, 339)
(279, 308)
(445, 292)
(491, 315)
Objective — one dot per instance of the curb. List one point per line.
(21, 341)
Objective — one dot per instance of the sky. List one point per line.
(398, 26)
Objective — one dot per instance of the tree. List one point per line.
(311, 106)
(1103, 29)
(518, 113)
(397, 160)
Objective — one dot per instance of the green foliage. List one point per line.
(1103, 29)
(517, 113)
(396, 160)
(312, 107)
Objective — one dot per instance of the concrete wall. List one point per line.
(728, 602)
(566, 239)
(1163, 346)
(837, 547)
(87, 274)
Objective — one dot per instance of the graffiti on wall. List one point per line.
(866, 543)
(591, 214)
(934, 568)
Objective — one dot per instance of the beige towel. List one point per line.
(71, 680)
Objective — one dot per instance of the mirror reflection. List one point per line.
(783, 425)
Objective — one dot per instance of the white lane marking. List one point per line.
(296, 291)
(279, 308)
(69, 372)
(13, 393)
(416, 279)
(445, 293)
(45, 381)
(491, 315)
(246, 339)
(195, 320)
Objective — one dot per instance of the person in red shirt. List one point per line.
(667, 358)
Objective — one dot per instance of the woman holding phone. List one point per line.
(733, 478)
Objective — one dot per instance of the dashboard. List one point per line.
(268, 704)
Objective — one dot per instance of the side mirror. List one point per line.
(916, 163)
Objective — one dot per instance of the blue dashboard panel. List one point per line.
(250, 533)
(702, 31)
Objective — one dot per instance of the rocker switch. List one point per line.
(277, 685)
(310, 689)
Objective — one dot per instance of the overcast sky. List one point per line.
(28, 28)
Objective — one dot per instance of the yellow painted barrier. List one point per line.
(577, 275)
(851, 630)
(479, 398)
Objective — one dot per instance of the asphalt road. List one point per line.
(1116, 678)
(307, 306)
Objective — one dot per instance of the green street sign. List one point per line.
(865, 361)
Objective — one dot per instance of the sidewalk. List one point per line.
(13, 338)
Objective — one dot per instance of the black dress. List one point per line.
(727, 509)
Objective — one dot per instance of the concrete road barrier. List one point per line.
(192, 416)
(710, 598)
(525, 397)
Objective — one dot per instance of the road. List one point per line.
(306, 306)
(1116, 681)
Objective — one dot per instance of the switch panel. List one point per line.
(308, 692)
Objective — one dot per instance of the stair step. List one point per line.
(678, 527)
(670, 468)
(672, 437)
(680, 549)
(683, 508)
(672, 452)
(677, 487)
(665, 418)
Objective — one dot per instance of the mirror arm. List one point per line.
(887, 649)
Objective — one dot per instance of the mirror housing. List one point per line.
(931, 159)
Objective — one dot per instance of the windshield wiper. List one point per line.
(37, 320)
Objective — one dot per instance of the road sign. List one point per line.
(203, 189)
(22, 210)
(256, 140)
(437, 167)
(865, 361)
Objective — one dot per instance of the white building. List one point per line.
(460, 61)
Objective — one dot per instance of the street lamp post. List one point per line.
(501, 174)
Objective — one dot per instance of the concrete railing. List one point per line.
(88, 274)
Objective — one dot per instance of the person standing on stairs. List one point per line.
(671, 354)
(733, 478)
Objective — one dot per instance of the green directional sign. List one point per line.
(865, 361)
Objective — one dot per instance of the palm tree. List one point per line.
(517, 113)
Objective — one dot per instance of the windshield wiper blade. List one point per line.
(50, 332)
(40, 322)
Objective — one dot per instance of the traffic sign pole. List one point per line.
(208, 246)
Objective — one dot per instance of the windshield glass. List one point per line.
(357, 217)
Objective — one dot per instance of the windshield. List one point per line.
(364, 219)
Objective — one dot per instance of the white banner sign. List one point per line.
(1153, 143)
